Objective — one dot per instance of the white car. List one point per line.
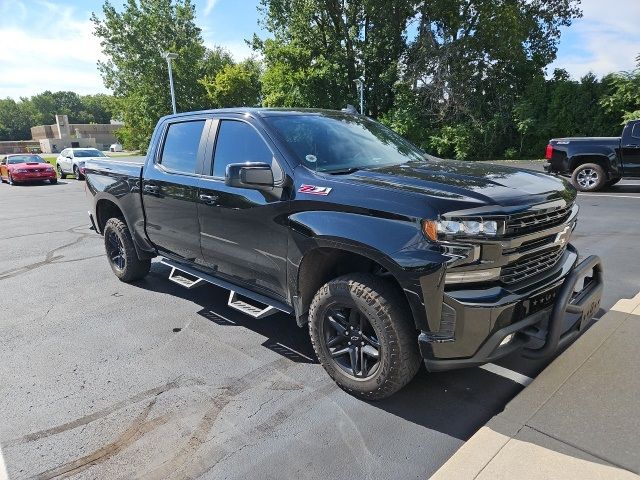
(115, 147)
(71, 161)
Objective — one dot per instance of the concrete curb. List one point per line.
(508, 447)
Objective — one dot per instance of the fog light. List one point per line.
(507, 339)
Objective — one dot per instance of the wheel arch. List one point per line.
(599, 159)
(325, 263)
(106, 207)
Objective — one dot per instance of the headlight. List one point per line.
(435, 229)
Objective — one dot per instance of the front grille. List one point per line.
(536, 220)
(532, 265)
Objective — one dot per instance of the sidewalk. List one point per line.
(579, 419)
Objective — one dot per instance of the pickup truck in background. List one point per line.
(391, 257)
(594, 163)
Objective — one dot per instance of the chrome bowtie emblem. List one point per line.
(563, 237)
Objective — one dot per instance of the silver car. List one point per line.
(71, 161)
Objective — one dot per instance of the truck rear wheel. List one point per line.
(362, 333)
(121, 252)
(589, 177)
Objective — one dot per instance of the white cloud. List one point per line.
(209, 6)
(605, 40)
(47, 55)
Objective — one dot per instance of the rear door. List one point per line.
(244, 232)
(170, 187)
(631, 150)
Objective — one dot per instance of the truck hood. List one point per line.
(471, 181)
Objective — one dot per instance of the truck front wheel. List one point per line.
(589, 177)
(362, 333)
(121, 252)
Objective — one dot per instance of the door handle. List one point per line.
(151, 189)
(209, 199)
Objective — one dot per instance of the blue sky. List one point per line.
(48, 45)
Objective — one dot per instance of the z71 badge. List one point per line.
(313, 190)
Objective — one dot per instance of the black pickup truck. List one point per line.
(594, 163)
(390, 256)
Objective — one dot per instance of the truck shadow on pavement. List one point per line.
(283, 335)
(456, 403)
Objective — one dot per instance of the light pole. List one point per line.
(360, 84)
(168, 56)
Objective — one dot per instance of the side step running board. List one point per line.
(234, 302)
(247, 308)
(184, 281)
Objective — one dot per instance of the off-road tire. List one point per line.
(134, 268)
(592, 170)
(390, 317)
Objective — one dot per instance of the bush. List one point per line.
(511, 153)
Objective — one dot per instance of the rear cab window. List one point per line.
(181, 145)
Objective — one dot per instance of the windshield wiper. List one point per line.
(344, 171)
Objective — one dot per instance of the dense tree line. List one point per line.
(461, 78)
(17, 117)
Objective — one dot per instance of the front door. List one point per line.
(244, 232)
(170, 188)
(631, 151)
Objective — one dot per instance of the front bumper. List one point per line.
(25, 177)
(538, 318)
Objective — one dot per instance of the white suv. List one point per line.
(71, 161)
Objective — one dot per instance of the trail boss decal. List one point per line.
(313, 190)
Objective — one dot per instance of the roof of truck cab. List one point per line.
(266, 112)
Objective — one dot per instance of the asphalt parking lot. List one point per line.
(99, 379)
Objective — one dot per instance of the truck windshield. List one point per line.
(342, 143)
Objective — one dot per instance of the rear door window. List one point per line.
(181, 144)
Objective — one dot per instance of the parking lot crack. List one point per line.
(50, 256)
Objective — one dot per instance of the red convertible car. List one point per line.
(26, 167)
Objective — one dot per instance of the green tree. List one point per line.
(235, 85)
(133, 41)
(469, 63)
(96, 108)
(319, 47)
(623, 96)
(16, 119)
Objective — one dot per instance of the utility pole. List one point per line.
(360, 83)
(168, 56)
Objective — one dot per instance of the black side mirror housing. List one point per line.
(255, 176)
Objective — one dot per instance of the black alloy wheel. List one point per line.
(352, 341)
(115, 251)
(121, 252)
(364, 336)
